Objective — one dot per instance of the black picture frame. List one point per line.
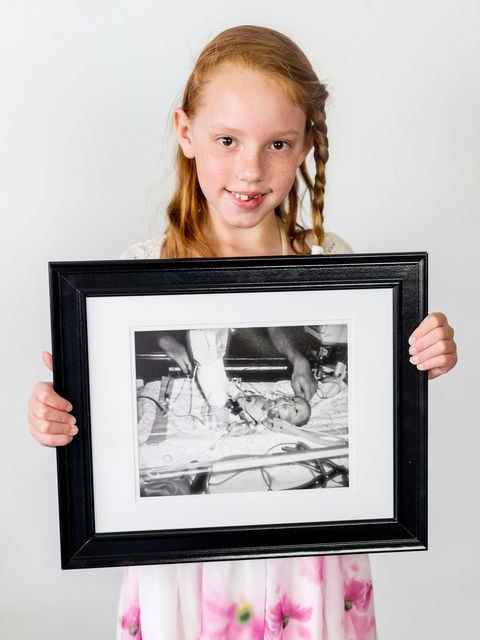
(87, 298)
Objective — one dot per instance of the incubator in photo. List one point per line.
(236, 409)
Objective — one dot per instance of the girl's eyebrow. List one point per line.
(288, 133)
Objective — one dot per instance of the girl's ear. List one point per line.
(182, 126)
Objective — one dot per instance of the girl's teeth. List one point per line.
(242, 196)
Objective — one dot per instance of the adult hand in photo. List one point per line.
(303, 380)
(177, 351)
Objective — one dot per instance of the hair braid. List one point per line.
(320, 155)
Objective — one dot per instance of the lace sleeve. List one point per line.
(147, 250)
(150, 249)
(335, 244)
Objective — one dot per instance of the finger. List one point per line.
(304, 387)
(47, 360)
(440, 365)
(313, 389)
(297, 386)
(431, 322)
(44, 393)
(51, 439)
(48, 431)
(442, 348)
(435, 372)
(185, 366)
(437, 364)
(47, 413)
(181, 366)
(440, 335)
(51, 427)
(310, 388)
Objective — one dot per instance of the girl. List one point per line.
(252, 111)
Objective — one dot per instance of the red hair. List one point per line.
(273, 53)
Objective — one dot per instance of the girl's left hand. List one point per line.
(432, 347)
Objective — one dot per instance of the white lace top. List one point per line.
(150, 249)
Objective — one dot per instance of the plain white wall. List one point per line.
(86, 90)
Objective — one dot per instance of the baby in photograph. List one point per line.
(260, 409)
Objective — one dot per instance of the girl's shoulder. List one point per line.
(146, 250)
(331, 243)
(335, 244)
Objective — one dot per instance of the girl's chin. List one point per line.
(242, 219)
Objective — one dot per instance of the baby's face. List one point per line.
(295, 410)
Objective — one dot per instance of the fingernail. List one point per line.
(412, 351)
(74, 431)
(414, 360)
(411, 341)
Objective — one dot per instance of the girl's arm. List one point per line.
(432, 347)
(49, 417)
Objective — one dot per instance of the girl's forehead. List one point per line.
(230, 75)
(247, 101)
(235, 70)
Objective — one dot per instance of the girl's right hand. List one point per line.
(49, 417)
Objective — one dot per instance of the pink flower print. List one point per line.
(358, 594)
(312, 569)
(235, 621)
(359, 617)
(284, 614)
(131, 624)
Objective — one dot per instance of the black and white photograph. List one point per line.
(223, 410)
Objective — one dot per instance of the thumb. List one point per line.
(47, 360)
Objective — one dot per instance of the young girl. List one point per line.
(252, 110)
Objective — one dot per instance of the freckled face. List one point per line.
(295, 410)
(248, 140)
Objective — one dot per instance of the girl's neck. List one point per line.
(264, 239)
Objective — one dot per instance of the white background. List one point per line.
(86, 90)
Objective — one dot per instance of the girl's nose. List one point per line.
(250, 166)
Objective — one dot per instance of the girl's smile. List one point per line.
(247, 201)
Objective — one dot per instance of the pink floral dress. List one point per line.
(317, 598)
(311, 598)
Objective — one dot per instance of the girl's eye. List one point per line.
(226, 141)
(278, 145)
